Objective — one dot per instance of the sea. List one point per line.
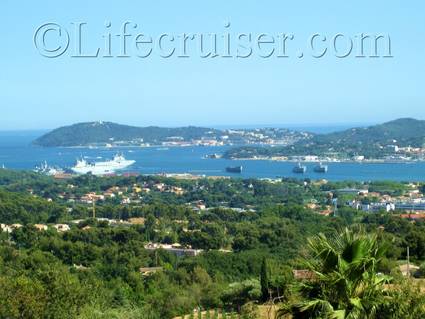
(16, 152)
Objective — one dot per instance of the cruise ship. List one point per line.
(119, 162)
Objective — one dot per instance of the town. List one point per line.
(259, 136)
(92, 197)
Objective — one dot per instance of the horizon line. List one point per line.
(227, 126)
(222, 126)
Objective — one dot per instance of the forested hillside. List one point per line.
(107, 132)
(102, 267)
(368, 141)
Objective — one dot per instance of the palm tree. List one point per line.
(346, 284)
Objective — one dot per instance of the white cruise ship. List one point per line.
(102, 168)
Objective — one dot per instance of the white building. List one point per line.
(62, 227)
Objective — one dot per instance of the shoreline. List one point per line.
(371, 161)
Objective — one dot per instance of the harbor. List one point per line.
(17, 153)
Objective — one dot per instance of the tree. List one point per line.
(416, 241)
(240, 293)
(249, 311)
(21, 298)
(407, 302)
(150, 226)
(347, 284)
(281, 280)
(264, 280)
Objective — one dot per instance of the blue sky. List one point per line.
(39, 92)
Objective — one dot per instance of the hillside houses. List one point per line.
(39, 227)
(127, 195)
(175, 249)
(412, 200)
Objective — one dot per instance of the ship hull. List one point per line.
(299, 169)
(102, 168)
(236, 170)
(321, 168)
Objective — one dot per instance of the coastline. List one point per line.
(326, 161)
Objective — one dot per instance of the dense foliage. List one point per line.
(93, 270)
(105, 132)
(346, 282)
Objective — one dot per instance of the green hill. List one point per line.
(368, 141)
(404, 132)
(83, 134)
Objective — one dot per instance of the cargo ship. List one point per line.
(299, 169)
(235, 169)
(321, 168)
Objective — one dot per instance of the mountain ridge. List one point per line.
(82, 134)
(369, 141)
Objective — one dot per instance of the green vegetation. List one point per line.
(264, 280)
(110, 133)
(346, 282)
(94, 270)
(370, 142)
(107, 132)
(17, 208)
